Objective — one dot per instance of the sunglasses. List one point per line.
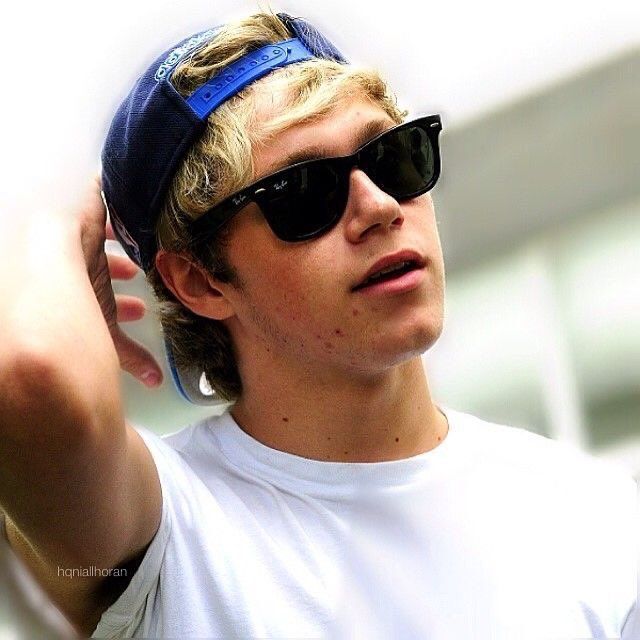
(307, 199)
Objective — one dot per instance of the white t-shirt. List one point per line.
(496, 534)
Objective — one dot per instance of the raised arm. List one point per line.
(78, 486)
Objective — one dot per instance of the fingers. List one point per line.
(129, 308)
(136, 360)
(121, 268)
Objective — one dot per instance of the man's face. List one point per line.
(296, 300)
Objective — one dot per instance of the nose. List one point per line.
(369, 209)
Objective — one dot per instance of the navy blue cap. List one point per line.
(155, 126)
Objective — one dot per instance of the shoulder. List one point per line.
(517, 451)
(173, 455)
(189, 461)
(176, 446)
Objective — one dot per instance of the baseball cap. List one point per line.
(155, 126)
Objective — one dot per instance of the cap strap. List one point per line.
(244, 71)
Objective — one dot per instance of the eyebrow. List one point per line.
(369, 131)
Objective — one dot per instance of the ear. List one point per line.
(192, 285)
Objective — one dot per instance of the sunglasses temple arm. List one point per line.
(211, 221)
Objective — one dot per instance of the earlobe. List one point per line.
(193, 286)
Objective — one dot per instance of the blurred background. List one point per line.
(538, 204)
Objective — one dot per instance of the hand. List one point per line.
(102, 268)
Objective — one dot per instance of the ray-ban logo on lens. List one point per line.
(238, 200)
(278, 186)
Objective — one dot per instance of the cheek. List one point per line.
(288, 316)
(289, 295)
(426, 226)
(296, 294)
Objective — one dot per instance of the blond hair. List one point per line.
(221, 162)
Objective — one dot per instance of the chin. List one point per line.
(413, 340)
(426, 327)
(423, 340)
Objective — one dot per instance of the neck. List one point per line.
(387, 417)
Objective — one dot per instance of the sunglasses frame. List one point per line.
(219, 215)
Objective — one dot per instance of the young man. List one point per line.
(278, 201)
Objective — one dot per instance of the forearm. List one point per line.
(49, 314)
(78, 485)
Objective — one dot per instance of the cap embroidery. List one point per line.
(179, 52)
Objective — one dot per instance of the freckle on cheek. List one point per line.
(328, 345)
(339, 332)
(355, 312)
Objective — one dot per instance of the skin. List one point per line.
(328, 373)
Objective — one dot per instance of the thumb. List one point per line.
(136, 359)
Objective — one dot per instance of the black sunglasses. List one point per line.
(307, 199)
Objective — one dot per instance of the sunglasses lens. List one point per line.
(308, 201)
(402, 163)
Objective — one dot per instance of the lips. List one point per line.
(392, 266)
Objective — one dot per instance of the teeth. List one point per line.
(390, 269)
(380, 274)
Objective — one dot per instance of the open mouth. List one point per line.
(391, 272)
